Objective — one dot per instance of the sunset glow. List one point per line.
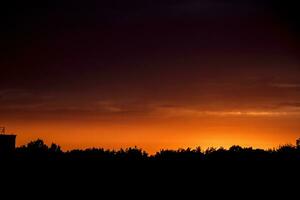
(154, 75)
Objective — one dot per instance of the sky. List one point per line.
(157, 74)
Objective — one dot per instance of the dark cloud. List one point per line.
(65, 57)
(287, 85)
(290, 104)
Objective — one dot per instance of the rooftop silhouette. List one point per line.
(7, 142)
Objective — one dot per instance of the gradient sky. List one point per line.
(152, 73)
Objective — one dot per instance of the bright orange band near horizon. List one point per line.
(256, 129)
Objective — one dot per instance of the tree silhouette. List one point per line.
(54, 148)
(38, 150)
(37, 146)
(298, 143)
(236, 148)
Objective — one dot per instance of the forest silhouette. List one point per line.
(37, 165)
(38, 151)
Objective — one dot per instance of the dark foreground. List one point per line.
(155, 179)
(214, 172)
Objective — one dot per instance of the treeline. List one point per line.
(38, 150)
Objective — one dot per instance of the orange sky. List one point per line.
(155, 74)
(205, 130)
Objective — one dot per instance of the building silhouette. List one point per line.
(7, 142)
